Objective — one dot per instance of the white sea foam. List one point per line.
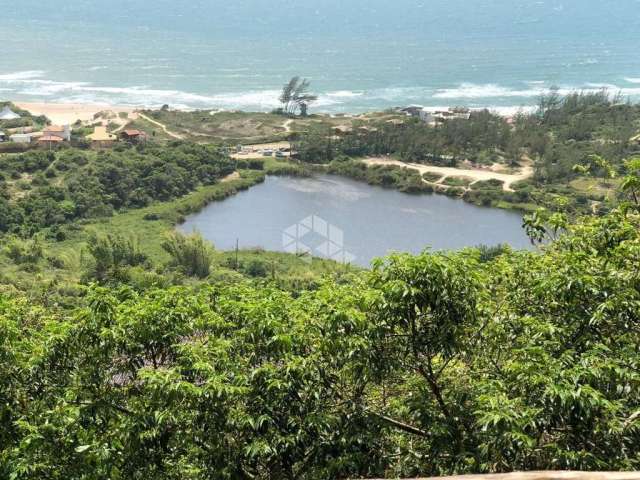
(481, 91)
(32, 83)
(632, 80)
(20, 76)
(345, 94)
(154, 67)
(489, 90)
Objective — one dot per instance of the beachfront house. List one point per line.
(61, 131)
(2, 136)
(133, 136)
(101, 138)
(412, 110)
(7, 114)
(49, 140)
(436, 117)
(428, 117)
(20, 138)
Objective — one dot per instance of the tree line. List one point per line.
(73, 184)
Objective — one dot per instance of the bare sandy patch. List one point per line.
(475, 174)
(69, 113)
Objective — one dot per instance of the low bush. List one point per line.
(190, 253)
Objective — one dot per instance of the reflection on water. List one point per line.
(372, 221)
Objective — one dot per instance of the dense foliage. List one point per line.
(185, 362)
(72, 184)
(466, 362)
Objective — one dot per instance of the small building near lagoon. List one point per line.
(2, 136)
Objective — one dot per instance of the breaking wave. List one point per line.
(33, 85)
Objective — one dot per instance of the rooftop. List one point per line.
(8, 114)
(49, 138)
(132, 133)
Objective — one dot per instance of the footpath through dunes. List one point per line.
(475, 174)
(162, 126)
(544, 475)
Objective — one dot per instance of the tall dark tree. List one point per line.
(295, 96)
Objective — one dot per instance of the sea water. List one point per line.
(359, 54)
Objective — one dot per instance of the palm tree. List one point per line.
(295, 96)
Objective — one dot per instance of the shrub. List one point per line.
(111, 253)
(255, 268)
(432, 176)
(24, 251)
(492, 184)
(151, 216)
(191, 253)
(457, 181)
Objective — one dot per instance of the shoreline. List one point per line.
(69, 113)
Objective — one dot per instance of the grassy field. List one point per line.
(596, 187)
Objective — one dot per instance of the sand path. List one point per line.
(163, 127)
(475, 174)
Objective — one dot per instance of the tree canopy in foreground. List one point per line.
(429, 364)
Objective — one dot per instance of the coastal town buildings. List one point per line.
(434, 117)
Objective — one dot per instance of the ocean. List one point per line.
(358, 54)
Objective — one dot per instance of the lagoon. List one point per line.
(335, 217)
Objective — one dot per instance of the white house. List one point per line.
(20, 138)
(2, 136)
(8, 114)
(434, 117)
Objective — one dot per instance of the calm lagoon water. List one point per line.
(337, 217)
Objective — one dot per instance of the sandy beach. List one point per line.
(69, 113)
